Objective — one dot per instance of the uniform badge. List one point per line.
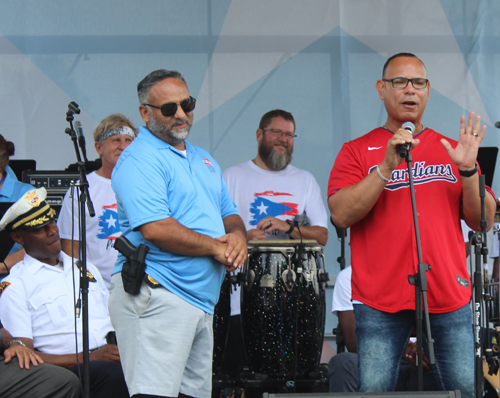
(90, 276)
(151, 282)
(3, 286)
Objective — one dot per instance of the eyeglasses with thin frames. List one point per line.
(401, 82)
(170, 109)
(279, 133)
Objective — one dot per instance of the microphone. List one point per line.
(497, 125)
(81, 139)
(403, 149)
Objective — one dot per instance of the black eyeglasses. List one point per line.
(402, 82)
(279, 133)
(170, 109)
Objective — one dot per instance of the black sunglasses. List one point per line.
(169, 109)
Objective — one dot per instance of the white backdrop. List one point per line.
(318, 59)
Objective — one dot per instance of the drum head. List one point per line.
(282, 243)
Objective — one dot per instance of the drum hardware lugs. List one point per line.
(266, 281)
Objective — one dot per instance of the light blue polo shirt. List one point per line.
(12, 190)
(152, 181)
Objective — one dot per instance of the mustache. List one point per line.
(180, 121)
(55, 240)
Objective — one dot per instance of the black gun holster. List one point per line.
(134, 267)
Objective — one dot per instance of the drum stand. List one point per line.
(419, 280)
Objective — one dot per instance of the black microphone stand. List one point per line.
(419, 280)
(84, 279)
(480, 249)
(341, 235)
(81, 143)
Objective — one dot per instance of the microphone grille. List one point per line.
(78, 124)
(409, 126)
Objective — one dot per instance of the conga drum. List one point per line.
(283, 308)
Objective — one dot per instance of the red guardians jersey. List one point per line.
(383, 248)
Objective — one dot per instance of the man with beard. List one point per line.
(270, 195)
(171, 198)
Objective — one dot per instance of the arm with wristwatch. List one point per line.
(12, 347)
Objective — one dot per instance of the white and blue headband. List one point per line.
(123, 130)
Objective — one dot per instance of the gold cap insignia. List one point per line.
(33, 198)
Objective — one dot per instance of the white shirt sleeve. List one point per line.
(465, 230)
(14, 310)
(315, 208)
(342, 292)
(65, 217)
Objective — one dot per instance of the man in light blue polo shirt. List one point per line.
(171, 197)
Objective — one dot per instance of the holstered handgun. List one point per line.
(134, 267)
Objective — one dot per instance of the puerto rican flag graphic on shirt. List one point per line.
(274, 204)
(109, 227)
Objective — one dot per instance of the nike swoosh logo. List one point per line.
(371, 148)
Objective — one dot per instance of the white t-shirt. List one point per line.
(282, 194)
(342, 292)
(102, 230)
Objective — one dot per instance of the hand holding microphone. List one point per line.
(403, 149)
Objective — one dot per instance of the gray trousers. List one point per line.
(42, 381)
(343, 372)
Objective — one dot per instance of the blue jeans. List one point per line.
(382, 339)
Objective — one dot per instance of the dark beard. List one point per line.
(274, 160)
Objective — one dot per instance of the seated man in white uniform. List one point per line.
(271, 195)
(39, 299)
(111, 137)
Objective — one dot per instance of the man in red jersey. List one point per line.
(369, 193)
